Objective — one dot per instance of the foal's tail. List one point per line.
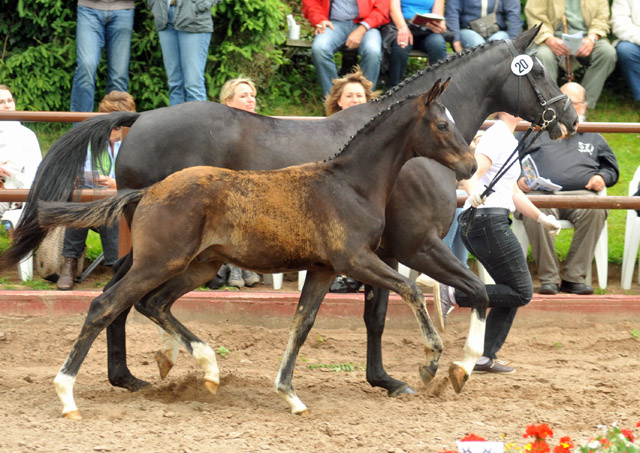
(94, 214)
(57, 174)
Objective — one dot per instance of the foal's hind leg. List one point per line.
(315, 287)
(157, 305)
(104, 310)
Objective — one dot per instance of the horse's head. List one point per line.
(440, 139)
(536, 96)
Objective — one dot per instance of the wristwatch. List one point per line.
(593, 37)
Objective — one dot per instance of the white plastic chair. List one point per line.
(631, 238)
(601, 253)
(25, 267)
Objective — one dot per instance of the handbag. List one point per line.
(487, 25)
(48, 257)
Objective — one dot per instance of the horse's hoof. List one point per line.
(164, 364)
(302, 413)
(73, 415)
(427, 373)
(458, 377)
(402, 390)
(211, 386)
(130, 382)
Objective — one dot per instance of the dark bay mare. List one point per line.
(421, 206)
(301, 217)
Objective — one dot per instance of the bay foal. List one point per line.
(326, 217)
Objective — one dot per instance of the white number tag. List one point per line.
(521, 65)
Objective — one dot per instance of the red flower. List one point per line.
(542, 431)
(473, 438)
(566, 444)
(604, 441)
(638, 425)
(539, 446)
(628, 434)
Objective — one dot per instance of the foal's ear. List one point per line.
(524, 39)
(434, 93)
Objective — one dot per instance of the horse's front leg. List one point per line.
(375, 312)
(436, 260)
(369, 268)
(315, 287)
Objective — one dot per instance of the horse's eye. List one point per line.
(442, 127)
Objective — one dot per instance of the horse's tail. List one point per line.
(56, 177)
(94, 214)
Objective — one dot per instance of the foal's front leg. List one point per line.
(369, 268)
(315, 287)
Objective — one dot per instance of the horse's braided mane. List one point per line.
(433, 67)
(392, 91)
(371, 123)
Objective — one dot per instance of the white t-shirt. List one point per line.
(19, 153)
(497, 144)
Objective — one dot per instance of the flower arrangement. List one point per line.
(612, 440)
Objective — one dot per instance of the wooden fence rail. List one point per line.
(542, 201)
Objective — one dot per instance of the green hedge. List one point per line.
(38, 54)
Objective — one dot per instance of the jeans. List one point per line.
(433, 44)
(492, 242)
(185, 56)
(326, 44)
(94, 28)
(629, 64)
(470, 38)
(453, 239)
(74, 240)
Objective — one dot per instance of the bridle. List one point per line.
(546, 118)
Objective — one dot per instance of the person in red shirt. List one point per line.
(349, 23)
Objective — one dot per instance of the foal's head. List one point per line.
(438, 138)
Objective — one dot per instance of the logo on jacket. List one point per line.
(586, 148)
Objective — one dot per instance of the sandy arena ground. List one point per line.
(574, 372)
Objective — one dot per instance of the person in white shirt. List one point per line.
(490, 239)
(19, 150)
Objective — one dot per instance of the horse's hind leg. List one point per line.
(119, 374)
(103, 311)
(369, 268)
(375, 312)
(436, 260)
(157, 305)
(315, 287)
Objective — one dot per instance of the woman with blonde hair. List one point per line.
(350, 90)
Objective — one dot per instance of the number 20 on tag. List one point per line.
(521, 65)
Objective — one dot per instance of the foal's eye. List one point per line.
(443, 126)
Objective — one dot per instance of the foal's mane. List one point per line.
(371, 124)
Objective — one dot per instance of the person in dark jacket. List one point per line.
(582, 164)
(459, 13)
(184, 28)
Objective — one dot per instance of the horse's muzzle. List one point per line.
(465, 169)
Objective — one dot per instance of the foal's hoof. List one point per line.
(164, 364)
(402, 390)
(211, 386)
(73, 415)
(302, 413)
(458, 377)
(427, 373)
